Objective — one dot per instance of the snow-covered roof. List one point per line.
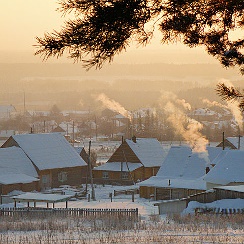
(49, 151)
(204, 112)
(10, 178)
(235, 142)
(29, 196)
(229, 168)
(238, 188)
(14, 161)
(69, 127)
(119, 166)
(78, 149)
(119, 116)
(6, 133)
(155, 181)
(219, 204)
(149, 151)
(181, 162)
(7, 108)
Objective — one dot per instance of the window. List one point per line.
(124, 175)
(105, 175)
(46, 179)
(62, 176)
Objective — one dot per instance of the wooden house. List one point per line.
(16, 171)
(180, 175)
(82, 152)
(56, 161)
(134, 160)
(233, 143)
(60, 130)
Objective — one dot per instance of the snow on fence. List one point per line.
(64, 212)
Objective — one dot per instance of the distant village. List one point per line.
(108, 124)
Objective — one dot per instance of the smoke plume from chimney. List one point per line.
(113, 105)
(185, 126)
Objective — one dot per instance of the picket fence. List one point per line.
(65, 212)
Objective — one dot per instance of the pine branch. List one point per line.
(228, 93)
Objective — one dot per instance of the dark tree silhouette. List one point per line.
(231, 94)
(103, 28)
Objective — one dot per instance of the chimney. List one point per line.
(207, 169)
(133, 139)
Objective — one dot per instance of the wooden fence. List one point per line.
(66, 212)
(126, 192)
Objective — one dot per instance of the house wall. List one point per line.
(10, 143)
(146, 192)
(171, 193)
(150, 171)
(114, 177)
(25, 187)
(65, 176)
(124, 154)
(203, 197)
(226, 144)
(226, 194)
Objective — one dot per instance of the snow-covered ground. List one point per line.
(103, 200)
(149, 229)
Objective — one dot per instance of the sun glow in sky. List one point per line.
(23, 20)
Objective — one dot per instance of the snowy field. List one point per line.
(150, 228)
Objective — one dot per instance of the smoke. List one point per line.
(213, 103)
(185, 126)
(184, 104)
(233, 106)
(113, 105)
(205, 156)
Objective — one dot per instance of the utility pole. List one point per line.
(90, 171)
(44, 125)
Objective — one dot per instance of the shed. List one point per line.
(40, 197)
(181, 174)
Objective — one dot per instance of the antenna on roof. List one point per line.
(223, 141)
(239, 142)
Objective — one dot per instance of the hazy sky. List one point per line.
(22, 20)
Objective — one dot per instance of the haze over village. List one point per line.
(143, 150)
